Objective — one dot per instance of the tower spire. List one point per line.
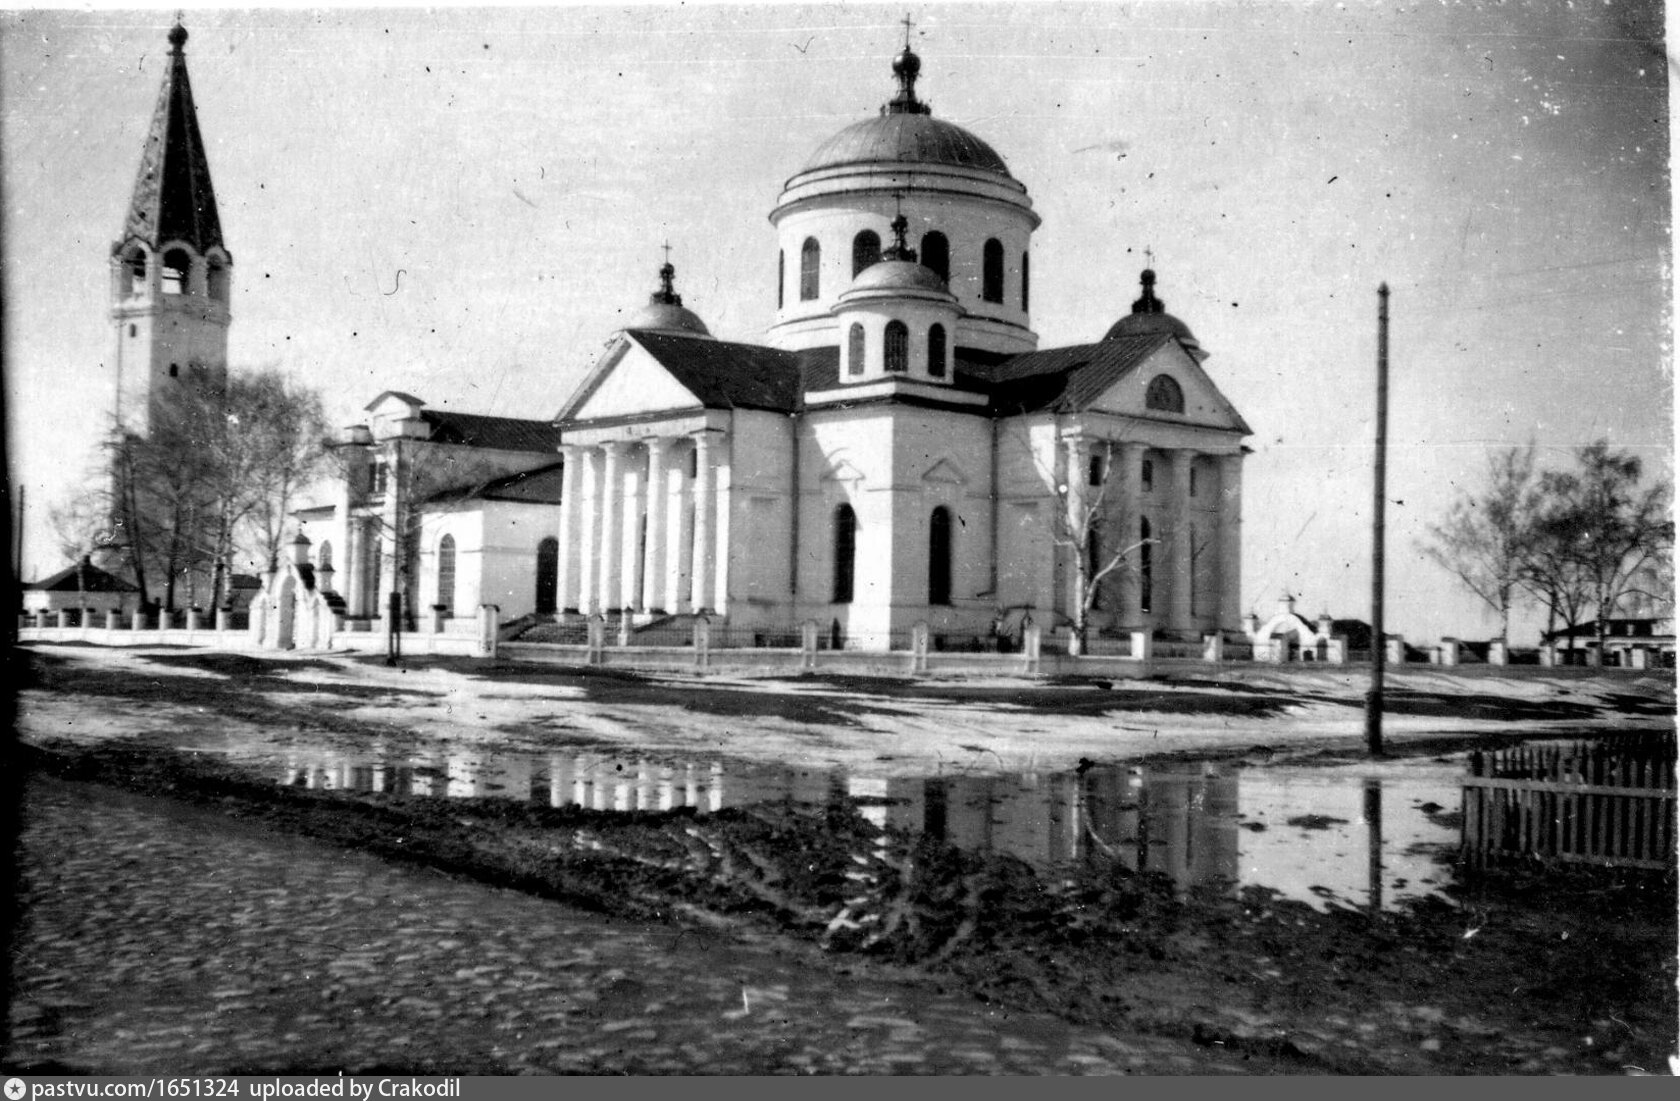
(173, 199)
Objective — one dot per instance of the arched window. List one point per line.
(137, 271)
(1026, 287)
(991, 271)
(896, 353)
(845, 552)
(781, 277)
(1146, 567)
(323, 557)
(446, 574)
(548, 576)
(177, 267)
(216, 280)
(936, 254)
(936, 351)
(174, 370)
(1164, 394)
(939, 556)
(866, 250)
(854, 349)
(810, 260)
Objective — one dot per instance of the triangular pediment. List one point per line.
(944, 472)
(1204, 405)
(628, 382)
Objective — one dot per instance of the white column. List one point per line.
(1075, 477)
(1181, 565)
(680, 537)
(570, 534)
(722, 491)
(703, 571)
(635, 500)
(1130, 501)
(589, 508)
(654, 590)
(611, 511)
(1230, 540)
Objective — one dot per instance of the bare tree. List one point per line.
(1485, 540)
(1600, 530)
(1079, 528)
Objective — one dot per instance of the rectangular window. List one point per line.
(1192, 481)
(1095, 477)
(1148, 476)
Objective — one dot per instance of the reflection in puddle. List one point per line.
(1321, 835)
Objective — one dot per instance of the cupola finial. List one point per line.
(1147, 302)
(900, 248)
(667, 293)
(178, 33)
(906, 67)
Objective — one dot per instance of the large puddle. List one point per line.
(1366, 836)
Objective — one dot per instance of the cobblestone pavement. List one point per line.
(165, 939)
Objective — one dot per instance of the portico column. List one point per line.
(653, 568)
(680, 537)
(1230, 541)
(1183, 564)
(611, 510)
(571, 507)
(1077, 519)
(1131, 512)
(589, 512)
(703, 572)
(635, 500)
(722, 493)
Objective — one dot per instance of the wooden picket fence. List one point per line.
(1609, 802)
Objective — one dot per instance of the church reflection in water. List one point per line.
(1183, 822)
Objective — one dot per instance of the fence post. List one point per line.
(1032, 642)
(597, 638)
(1549, 655)
(624, 626)
(489, 629)
(808, 643)
(702, 643)
(1639, 658)
(1143, 645)
(1449, 651)
(1396, 651)
(138, 623)
(64, 619)
(918, 647)
(1335, 650)
(1213, 648)
(111, 616)
(1497, 654)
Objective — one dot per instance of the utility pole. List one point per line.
(1374, 699)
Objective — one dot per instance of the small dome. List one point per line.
(909, 139)
(1149, 316)
(898, 275)
(664, 312)
(666, 317)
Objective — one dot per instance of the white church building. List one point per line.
(898, 449)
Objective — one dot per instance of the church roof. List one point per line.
(540, 486)
(173, 199)
(498, 433)
(1064, 380)
(725, 375)
(92, 579)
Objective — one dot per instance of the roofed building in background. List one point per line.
(900, 449)
(82, 586)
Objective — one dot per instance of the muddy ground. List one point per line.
(1529, 970)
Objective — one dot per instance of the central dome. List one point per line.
(907, 138)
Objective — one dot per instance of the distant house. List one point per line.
(1623, 635)
(83, 585)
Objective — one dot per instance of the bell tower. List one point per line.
(170, 273)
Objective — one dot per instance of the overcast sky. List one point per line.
(461, 203)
